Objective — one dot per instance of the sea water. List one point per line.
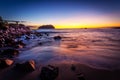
(98, 48)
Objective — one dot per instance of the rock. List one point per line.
(40, 43)
(21, 43)
(49, 73)
(26, 67)
(5, 63)
(19, 46)
(73, 68)
(10, 53)
(57, 38)
(80, 76)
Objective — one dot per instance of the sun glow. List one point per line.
(80, 21)
(91, 21)
(75, 25)
(85, 26)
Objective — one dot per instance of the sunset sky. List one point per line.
(63, 13)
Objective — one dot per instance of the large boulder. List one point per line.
(25, 67)
(46, 27)
(49, 73)
(5, 63)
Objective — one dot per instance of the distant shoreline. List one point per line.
(79, 28)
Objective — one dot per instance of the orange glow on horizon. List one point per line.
(82, 21)
(65, 26)
(87, 26)
(89, 21)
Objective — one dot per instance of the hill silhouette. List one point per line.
(46, 27)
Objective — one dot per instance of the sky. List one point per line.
(63, 13)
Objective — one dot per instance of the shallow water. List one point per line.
(98, 48)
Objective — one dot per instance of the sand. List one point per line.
(65, 73)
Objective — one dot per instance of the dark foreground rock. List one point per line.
(5, 63)
(73, 68)
(80, 76)
(26, 67)
(49, 73)
(9, 53)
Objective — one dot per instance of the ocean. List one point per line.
(98, 48)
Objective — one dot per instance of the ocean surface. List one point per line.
(98, 48)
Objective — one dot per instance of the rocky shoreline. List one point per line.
(23, 39)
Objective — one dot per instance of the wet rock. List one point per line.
(73, 68)
(57, 38)
(27, 38)
(40, 43)
(10, 53)
(19, 46)
(20, 43)
(26, 67)
(5, 63)
(49, 73)
(80, 76)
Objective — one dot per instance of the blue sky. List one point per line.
(60, 11)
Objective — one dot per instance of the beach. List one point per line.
(65, 73)
(94, 53)
(59, 39)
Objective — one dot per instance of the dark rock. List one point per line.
(80, 76)
(5, 63)
(26, 67)
(10, 53)
(40, 43)
(73, 68)
(19, 46)
(49, 73)
(21, 43)
(27, 38)
(57, 38)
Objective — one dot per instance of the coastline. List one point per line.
(65, 72)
